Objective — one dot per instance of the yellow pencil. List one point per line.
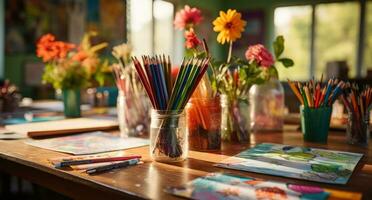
(308, 97)
(296, 92)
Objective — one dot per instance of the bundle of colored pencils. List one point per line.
(132, 107)
(358, 103)
(167, 95)
(315, 94)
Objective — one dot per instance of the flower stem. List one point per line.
(230, 52)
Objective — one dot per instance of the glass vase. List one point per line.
(71, 103)
(133, 114)
(203, 116)
(234, 119)
(357, 129)
(168, 136)
(267, 106)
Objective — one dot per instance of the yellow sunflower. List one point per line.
(229, 25)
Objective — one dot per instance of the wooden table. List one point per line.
(148, 180)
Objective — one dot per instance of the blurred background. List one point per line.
(327, 37)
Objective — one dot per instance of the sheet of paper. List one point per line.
(62, 126)
(311, 164)
(88, 143)
(10, 135)
(224, 186)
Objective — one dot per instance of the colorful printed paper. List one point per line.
(222, 186)
(88, 143)
(312, 164)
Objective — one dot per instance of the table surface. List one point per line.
(148, 180)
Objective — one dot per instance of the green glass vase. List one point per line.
(71, 103)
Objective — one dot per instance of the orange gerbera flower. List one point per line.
(48, 48)
(229, 25)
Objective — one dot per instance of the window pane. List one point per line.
(163, 19)
(294, 24)
(140, 26)
(368, 39)
(336, 35)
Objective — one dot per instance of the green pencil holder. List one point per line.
(315, 123)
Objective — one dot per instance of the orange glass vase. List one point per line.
(203, 117)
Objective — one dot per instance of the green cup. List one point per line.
(315, 123)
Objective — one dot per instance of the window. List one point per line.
(163, 19)
(294, 24)
(150, 27)
(368, 39)
(140, 26)
(336, 35)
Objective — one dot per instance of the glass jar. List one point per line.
(234, 119)
(267, 106)
(133, 115)
(168, 136)
(357, 129)
(204, 123)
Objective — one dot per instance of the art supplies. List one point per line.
(66, 162)
(133, 109)
(109, 167)
(65, 126)
(314, 94)
(316, 106)
(88, 143)
(228, 186)
(358, 102)
(169, 98)
(306, 163)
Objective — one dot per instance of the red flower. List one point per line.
(192, 40)
(259, 54)
(187, 17)
(48, 48)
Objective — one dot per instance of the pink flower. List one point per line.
(187, 17)
(192, 40)
(259, 54)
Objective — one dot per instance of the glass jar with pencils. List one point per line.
(357, 129)
(204, 123)
(358, 104)
(168, 136)
(133, 114)
(235, 124)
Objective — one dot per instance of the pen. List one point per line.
(109, 167)
(69, 162)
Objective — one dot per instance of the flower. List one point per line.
(259, 54)
(187, 17)
(48, 48)
(192, 40)
(229, 25)
(122, 51)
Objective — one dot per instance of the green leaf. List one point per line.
(287, 62)
(278, 46)
(272, 72)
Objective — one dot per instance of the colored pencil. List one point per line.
(109, 167)
(313, 95)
